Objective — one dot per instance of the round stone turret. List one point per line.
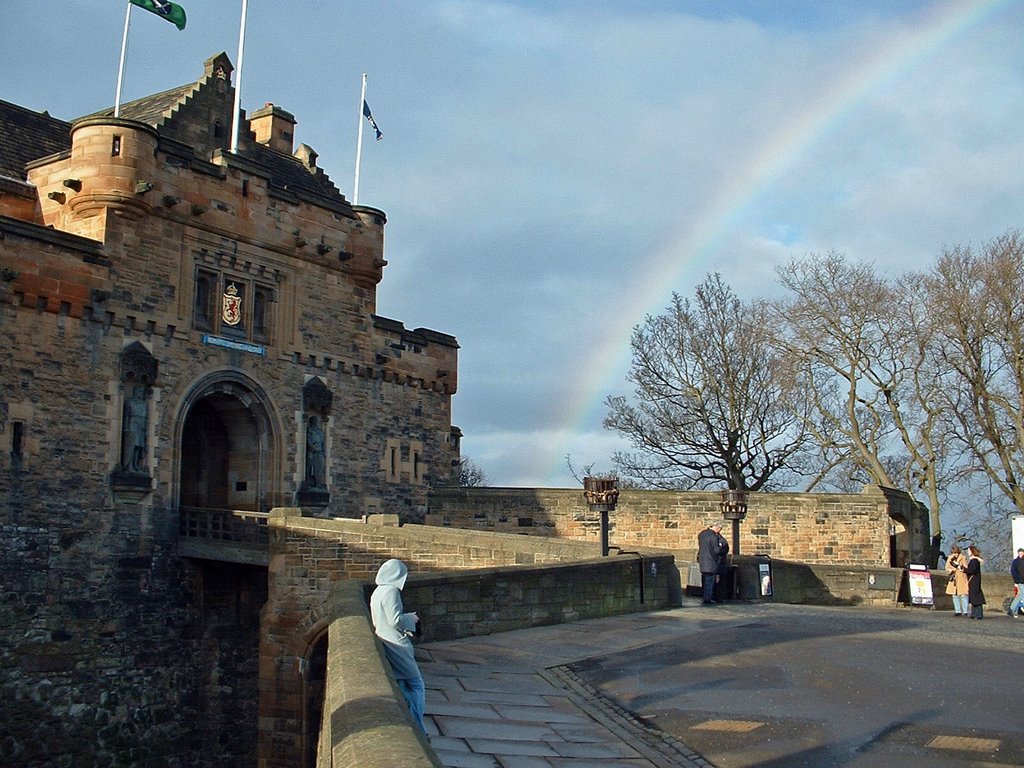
(367, 245)
(115, 161)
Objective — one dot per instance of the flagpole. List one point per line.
(238, 80)
(120, 68)
(359, 142)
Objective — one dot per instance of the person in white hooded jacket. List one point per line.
(394, 628)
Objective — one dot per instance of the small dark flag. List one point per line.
(172, 12)
(369, 116)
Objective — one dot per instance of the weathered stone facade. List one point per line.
(181, 327)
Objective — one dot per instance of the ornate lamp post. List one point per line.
(734, 507)
(601, 494)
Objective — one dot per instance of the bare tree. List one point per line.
(589, 470)
(982, 521)
(977, 299)
(865, 345)
(469, 474)
(712, 404)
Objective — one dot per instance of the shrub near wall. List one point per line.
(803, 527)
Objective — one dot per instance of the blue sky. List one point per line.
(552, 171)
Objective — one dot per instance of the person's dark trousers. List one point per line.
(707, 585)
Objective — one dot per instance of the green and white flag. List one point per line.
(172, 12)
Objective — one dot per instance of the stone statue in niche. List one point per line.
(138, 374)
(316, 468)
(316, 406)
(134, 426)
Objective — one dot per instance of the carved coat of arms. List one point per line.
(231, 307)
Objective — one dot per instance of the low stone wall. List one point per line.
(514, 582)
(366, 723)
(803, 527)
(823, 584)
(484, 602)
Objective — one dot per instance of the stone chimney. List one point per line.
(273, 127)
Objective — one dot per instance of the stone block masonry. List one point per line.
(803, 527)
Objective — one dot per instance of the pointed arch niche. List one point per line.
(229, 446)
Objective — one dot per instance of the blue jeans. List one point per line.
(960, 604)
(707, 585)
(416, 697)
(1018, 600)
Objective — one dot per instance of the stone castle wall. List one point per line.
(810, 528)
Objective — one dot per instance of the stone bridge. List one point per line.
(324, 689)
(325, 693)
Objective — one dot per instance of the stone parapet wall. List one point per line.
(509, 582)
(484, 602)
(806, 527)
(366, 723)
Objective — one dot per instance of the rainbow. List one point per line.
(682, 262)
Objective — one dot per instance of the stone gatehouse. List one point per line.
(189, 336)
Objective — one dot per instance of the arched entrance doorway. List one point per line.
(228, 468)
(229, 449)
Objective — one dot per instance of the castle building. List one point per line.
(188, 336)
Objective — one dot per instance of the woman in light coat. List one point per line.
(956, 565)
(394, 627)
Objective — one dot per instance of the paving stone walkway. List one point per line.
(509, 701)
(733, 686)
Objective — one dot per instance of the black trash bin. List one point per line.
(753, 577)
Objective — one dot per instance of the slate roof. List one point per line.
(288, 173)
(150, 109)
(26, 136)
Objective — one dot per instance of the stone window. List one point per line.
(17, 444)
(206, 283)
(232, 305)
(261, 299)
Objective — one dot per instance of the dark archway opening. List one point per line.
(228, 470)
(223, 456)
(316, 689)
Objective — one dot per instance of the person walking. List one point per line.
(394, 627)
(711, 551)
(975, 596)
(956, 565)
(1017, 572)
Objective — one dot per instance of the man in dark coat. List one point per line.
(711, 551)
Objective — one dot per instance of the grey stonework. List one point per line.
(155, 344)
